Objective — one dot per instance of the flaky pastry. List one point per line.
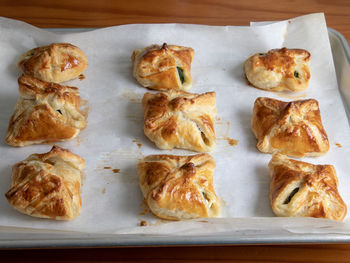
(179, 187)
(180, 120)
(57, 62)
(44, 112)
(163, 67)
(47, 185)
(300, 189)
(292, 128)
(279, 69)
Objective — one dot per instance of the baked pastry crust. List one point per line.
(179, 187)
(47, 185)
(279, 70)
(180, 120)
(292, 128)
(300, 189)
(45, 112)
(163, 67)
(57, 62)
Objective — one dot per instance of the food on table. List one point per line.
(180, 120)
(292, 128)
(279, 70)
(47, 185)
(179, 187)
(163, 67)
(57, 62)
(45, 112)
(300, 189)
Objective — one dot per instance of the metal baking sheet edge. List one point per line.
(22, 238)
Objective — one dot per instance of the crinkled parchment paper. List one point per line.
(113, 140)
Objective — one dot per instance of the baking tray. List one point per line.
(29, 238)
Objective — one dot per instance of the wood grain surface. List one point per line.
(286, 253)
(101, 13)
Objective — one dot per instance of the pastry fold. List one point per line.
(57, 62)
(163, 67)
(45, 112)
(47, 185)
(300, 189)
(292, 128)
(279, 70)
(180, 120)
(179, 187)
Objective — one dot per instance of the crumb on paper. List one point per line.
(338, 145)
(107, 167)
(203, 221)
(143, 223)
(103, 191)
(116, 171)
(81, 76)
(138, 143)
(231, 142)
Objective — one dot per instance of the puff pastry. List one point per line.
(163, 67)
(54, 63)
(300, 189)
(279, 69)
(47, 185)
(292, 128)
(179, 187)
(45, 112)
(180, 120)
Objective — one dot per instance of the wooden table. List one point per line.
(100, 13)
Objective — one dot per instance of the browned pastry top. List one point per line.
(47, 185)
(44, 112)
(279, 69)
(181, 120)
(163, 67)
(293, 128)
(179, 187)
(303, 189)
(57, 62)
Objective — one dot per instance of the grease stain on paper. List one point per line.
(132, 96)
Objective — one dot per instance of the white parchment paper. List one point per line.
(112, 201)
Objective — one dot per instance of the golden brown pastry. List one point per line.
(47, 185)
(179, 187)
(163, 67)
(292, 128)
(304, 190)
(54, 63)
(279, 70)
(45, 112)
(180, 120)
